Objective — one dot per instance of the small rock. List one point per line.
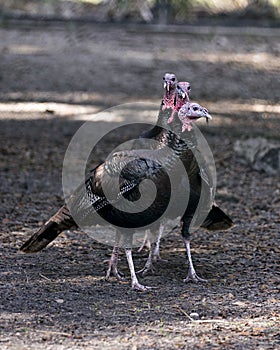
(194, 315)
(59, 301)
(260, 153)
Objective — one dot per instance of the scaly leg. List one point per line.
(156, 256)
(192, 276)
(146, 241)
(153, 252)
(114, 260)
(134, 280)
(149, 263)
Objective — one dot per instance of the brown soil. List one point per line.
(58, 299)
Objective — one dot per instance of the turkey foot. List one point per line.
(138, 286)
(149, 267)
(193, 277)
(134, 280)
(113, 269)
(113, 265)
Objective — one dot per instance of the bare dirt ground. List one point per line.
(52, 78)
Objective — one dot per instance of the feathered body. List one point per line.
(88, 204)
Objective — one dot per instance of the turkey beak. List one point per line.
(166, 86)
(206, 115)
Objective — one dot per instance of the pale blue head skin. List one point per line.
(191, 111)
(169, 82)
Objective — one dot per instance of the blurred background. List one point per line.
(118, 50)
(150, 11)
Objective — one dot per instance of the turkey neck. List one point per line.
(170, 134)
(172, 140)
(161, 128)
(162, 122)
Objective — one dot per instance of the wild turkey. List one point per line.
(63, 220)
(173, 99)
(176, 94)
(130, 168)
(216, 218)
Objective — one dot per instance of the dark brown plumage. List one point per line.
(129, 168)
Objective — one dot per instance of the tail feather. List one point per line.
(61, 221)
(217, 220)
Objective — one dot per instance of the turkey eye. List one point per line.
(173, 79)
(163, 78)
(189, 87)
(195, 108)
